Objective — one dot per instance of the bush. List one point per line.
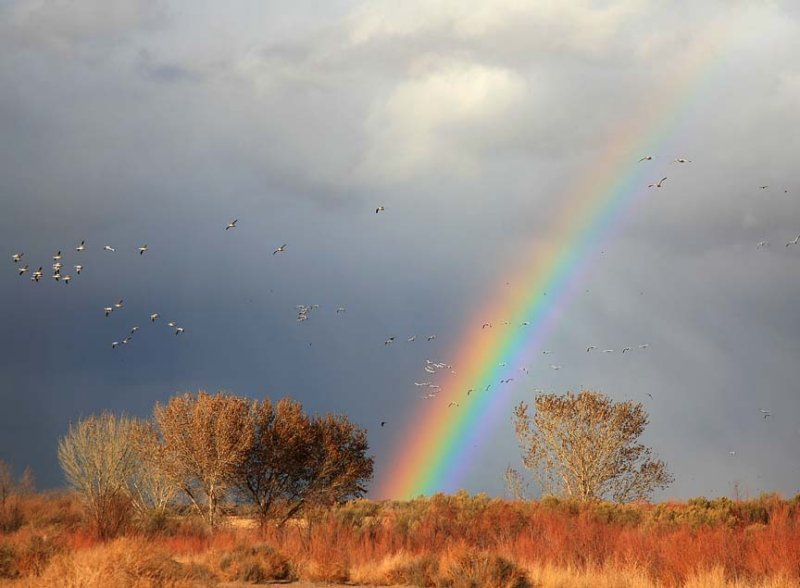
(471, 569)
(37, 552)
(8, 561)
(11, 518)
(256, 564)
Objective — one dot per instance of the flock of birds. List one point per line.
(64, 278)
(304, 311)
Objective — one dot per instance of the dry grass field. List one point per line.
(444, 541)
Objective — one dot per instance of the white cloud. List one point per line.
(444, 116)
(573, 26)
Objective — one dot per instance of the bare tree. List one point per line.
(205, 438)
(97, 458)
(515, 484)
(7, 485)
(150, 487)
(297, 461)
(586, 447)
(11, 515)
(27, 483)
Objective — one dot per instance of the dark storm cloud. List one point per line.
(130, 123)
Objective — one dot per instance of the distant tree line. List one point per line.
(204, 449)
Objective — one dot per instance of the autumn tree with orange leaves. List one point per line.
(586, 446)
(297, 461)
(276, 456)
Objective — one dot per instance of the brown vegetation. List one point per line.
(455, 541)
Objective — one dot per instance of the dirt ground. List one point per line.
(299, 585)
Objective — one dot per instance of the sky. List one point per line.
(129, 122)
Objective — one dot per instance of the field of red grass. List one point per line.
(456, 541)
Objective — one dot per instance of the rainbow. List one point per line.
(433, 451)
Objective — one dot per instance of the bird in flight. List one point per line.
(81, 247)
(232, 224)
(134, 329)
(762, 244)
(17, 256)
(485, 325)
(763, 187)
(379, 209)
(57, 256)
(422, 383)
(383, 423)
(431, 337)
(650, 395)
(646, 158)
(78, 269)
(681, 160)
(108, 310)
(119, 304)
(281, 249)
(590, 348)
(658, 184)
(546, 352)
(453, 403)
(608, 351)
(732, 452)
(555, 367)
(644, 345)
(412, 338)
(389, 341)
(178, 330)
(626, 349)
(108, 248)
(36, 276)
(142, 249)
(114, 344)
(153, 317)
(66, 279)
(340, 310)
(796, 239)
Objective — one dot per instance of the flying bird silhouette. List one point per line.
(232, 224)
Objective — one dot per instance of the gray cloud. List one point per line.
(136, 122)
